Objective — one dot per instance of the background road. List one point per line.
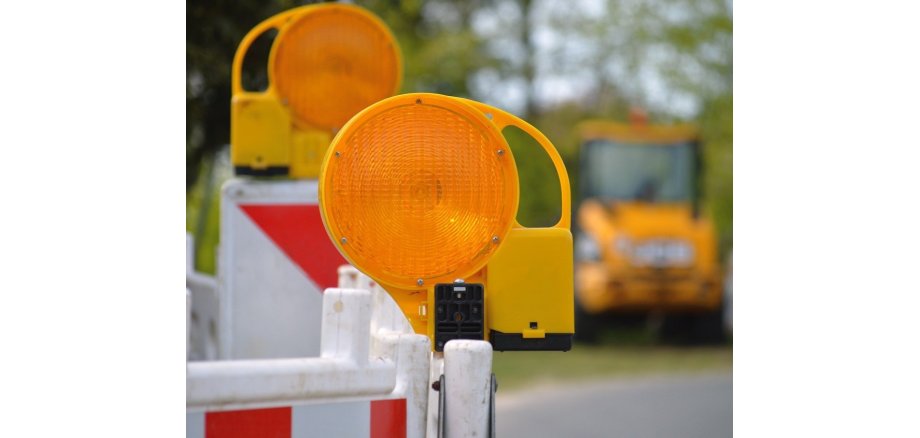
(673, 406)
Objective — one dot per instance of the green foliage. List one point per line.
(540, 193)
(440, 49)
(716, 125)
(202, 208)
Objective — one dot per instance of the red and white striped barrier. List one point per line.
(375, 419)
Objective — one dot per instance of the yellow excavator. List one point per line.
(642, 246)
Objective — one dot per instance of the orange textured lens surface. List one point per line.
(332, 62)
(419, 190)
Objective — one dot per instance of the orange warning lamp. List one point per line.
(420, 192)
(327, 62)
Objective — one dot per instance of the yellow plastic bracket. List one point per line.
(529, 280)
(260, 126)
(502, 119)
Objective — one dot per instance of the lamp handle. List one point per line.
(502, 119)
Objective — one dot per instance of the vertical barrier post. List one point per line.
(346, 322)
(468, 385)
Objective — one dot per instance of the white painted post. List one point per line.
(467, 380)
(410, 352)
(346, 324)
(348, 277)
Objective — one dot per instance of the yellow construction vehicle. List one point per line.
(641, 244)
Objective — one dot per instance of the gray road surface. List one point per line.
(660, 407)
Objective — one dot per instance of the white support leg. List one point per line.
(468, 380)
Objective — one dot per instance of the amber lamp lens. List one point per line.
(333, 62)
(419, 191)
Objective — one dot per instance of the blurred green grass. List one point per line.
(519, 369)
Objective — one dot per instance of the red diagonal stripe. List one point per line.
(388, 418)
(298, 230)
(253, 423)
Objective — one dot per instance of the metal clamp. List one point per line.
(442, 398)
(442, 401)
(493, 387)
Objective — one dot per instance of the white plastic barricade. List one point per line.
(363, 384)
(372, 379)
(275, 260)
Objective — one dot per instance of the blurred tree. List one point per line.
(672, 57)
(666, 55)
(716, 126)
(440, 49)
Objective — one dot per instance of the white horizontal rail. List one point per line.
(271, 380)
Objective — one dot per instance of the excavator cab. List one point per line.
(642, 246)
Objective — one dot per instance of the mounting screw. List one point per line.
(500, 152)
(338, 154)
(495, 239)
(419, 282)
(489, 116)
(344, 240)
(436, 385)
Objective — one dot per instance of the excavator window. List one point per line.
(637, 172)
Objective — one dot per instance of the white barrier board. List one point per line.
(274, 261)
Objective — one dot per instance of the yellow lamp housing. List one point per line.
(327, 62)
(420, 192)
